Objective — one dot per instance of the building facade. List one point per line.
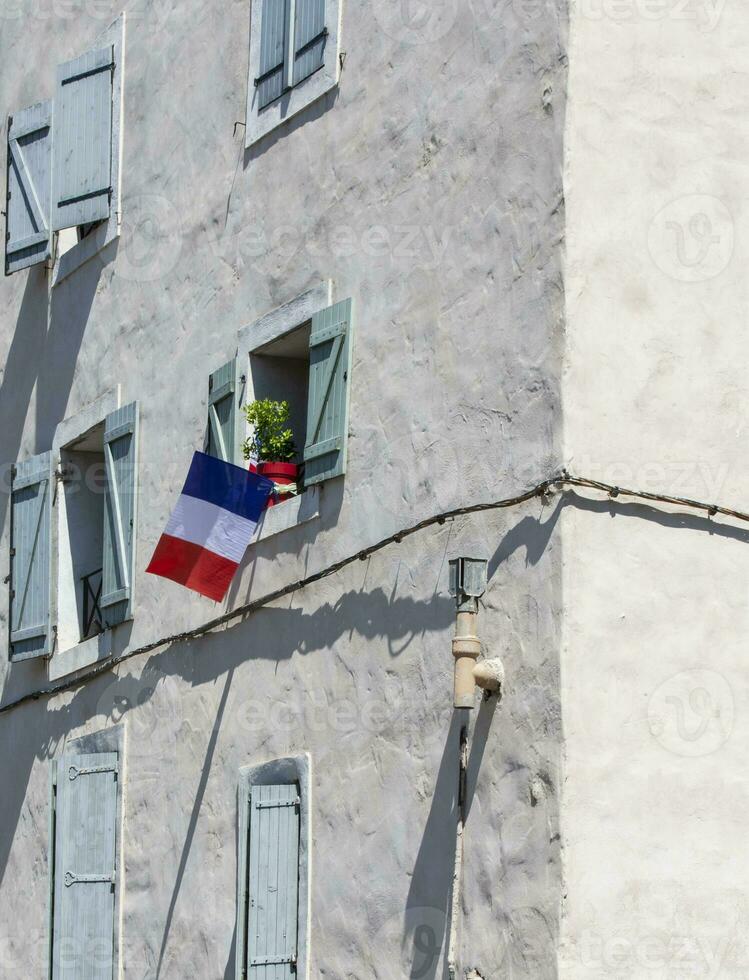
(474, 246)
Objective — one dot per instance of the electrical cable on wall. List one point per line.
(556, 483)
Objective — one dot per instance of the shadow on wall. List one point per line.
(369, 614)
(43, 354)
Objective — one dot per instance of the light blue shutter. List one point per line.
(274, 27)
(32, 574)
(121, 461)
(273, 884)
(85, 867)
(309, 38)
(328, 399)
(224, 396)
(29, 157)
(82, 140)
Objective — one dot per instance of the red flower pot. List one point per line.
(282, 474)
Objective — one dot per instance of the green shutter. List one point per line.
(32, 571)
(120, 513)
(224, 396)
(329, 388)
(85, 867)
(273, 883)
(274, 26)
(309, 38)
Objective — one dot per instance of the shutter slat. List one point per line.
(272, 933)
(325, 451)
(309, 38)
(273, 33)
(120, 513)
(85, 867)
(32, 578)
(28, 182)
(82, 140)
(224, 397)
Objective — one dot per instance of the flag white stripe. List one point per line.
(212, 527)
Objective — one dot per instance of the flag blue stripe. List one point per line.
(228, 486)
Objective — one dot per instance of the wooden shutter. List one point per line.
(273, 883)
(27, 234)
(85, 867)
(274, 27)
(309, 38)
(328, 398)
(121, 461)
(82, 140)
(32, 577)
(224, 396)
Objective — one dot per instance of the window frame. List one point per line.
(289, 770)
(104, 233)
(98, 647)
(260, 122)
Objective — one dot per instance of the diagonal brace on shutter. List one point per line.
(118, 529)
(28, 188)
(26, 576)
(327, 381)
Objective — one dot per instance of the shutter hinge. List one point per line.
(272, 804)
(74, 772)
(273, 961)
(12, 552)
(74, 879)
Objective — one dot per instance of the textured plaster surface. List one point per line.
(655, 393)
(429, 188)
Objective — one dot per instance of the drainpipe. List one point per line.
(467, 584)
(468, 577)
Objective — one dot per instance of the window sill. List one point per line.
(290, 513)
(83, 654)
(84, 251)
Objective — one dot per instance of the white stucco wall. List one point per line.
(655, 393)
(429, 188)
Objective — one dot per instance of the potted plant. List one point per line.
(272, 445)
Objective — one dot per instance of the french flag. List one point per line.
(211, 526)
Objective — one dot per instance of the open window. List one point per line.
(86, 130)
(97, 528)
(294, 59)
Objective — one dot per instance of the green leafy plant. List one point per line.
(272, 440)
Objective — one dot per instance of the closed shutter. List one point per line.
(224, 396)
(82, 140)
(273, 883)
(28, 187)
(309, 38)
(85, 867)
(271, 82)
(32, 578)
(121, 461)
(328, 399)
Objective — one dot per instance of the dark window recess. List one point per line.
(280, 370)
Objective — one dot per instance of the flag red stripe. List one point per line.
(191, 565)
